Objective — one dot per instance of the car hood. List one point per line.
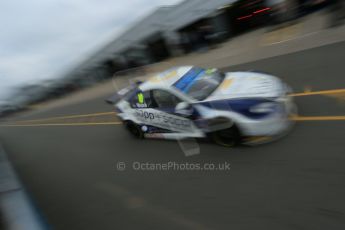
(248, 85)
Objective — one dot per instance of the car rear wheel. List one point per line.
(134, 129)
(228, 137)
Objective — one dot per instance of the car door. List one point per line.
(156, 110)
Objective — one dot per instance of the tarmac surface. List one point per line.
(76, 174)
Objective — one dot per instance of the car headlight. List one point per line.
(266, 107)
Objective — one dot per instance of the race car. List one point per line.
(193, 102)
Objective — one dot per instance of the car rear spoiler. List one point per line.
(113, 99)
(122, 93)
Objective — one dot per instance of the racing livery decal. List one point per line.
(164, 120)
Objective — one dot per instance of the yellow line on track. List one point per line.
(69, 116)
(324, 92)
(62, 124)
(309, 93)
(318, 118)
(294, 118)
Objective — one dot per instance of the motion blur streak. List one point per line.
(262, 10)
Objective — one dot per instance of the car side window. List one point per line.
(141, 100)
(164, 99)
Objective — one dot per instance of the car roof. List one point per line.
(165, 79)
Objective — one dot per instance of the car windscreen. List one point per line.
(204, 85)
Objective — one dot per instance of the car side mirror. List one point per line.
(184, 108)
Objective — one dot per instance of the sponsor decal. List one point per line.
(164, 120)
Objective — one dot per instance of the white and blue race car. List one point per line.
(192, 102)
